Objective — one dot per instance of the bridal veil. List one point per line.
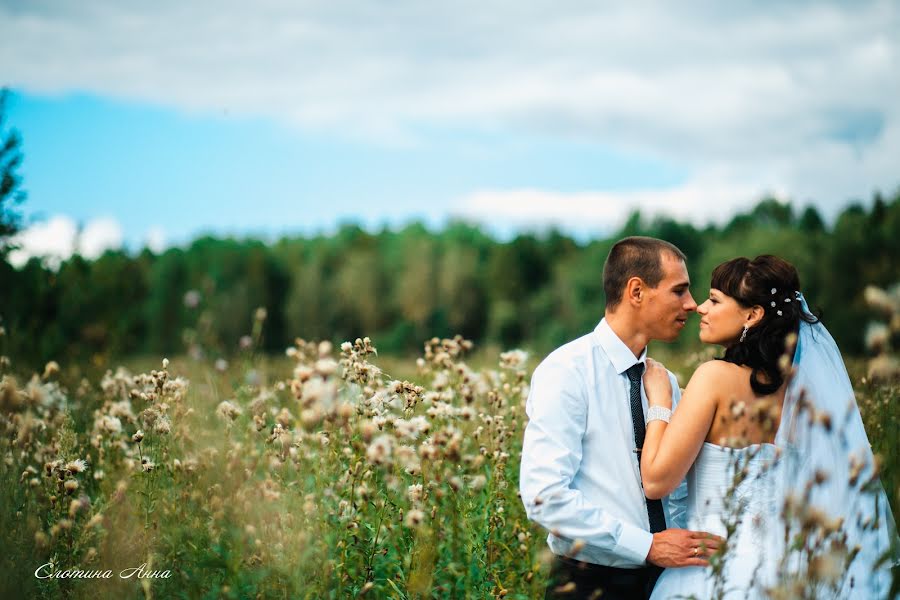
(828, 476)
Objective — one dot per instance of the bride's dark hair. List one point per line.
(772, 283)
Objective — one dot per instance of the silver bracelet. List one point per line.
(658, 413)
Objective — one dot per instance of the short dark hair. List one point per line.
(635, 256)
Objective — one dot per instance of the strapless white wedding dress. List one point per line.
(752, 558)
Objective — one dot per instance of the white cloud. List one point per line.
(155, 239)
(59, 237)
(796, 96)
(592, 212)
(100, 235)
(53, 239)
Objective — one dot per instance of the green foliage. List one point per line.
(285, 494)
(10, 181)
(267, 495)
(403, 286)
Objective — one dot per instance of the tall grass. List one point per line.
(316, 476)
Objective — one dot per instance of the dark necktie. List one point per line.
(654, 507)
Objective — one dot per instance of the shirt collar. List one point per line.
(619, 354)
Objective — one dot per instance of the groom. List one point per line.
(580, 474)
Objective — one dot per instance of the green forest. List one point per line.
(318, 473)
(401, 287)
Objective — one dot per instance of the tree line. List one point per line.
(401, 287)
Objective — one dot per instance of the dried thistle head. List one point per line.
(414, 518)
(228, 411)
(76, 466)
(50, 369)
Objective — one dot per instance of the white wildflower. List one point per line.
(109, 424)
(192, 298)
(380, 450)
(76, 466)
(414, 492)
(414, 518)
(326, 367)
(162, 425)
(228, 410)
(408, 459)
(514, 359)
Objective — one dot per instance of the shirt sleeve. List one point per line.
(676, 502)
(551, 457)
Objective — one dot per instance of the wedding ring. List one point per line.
(696, 551)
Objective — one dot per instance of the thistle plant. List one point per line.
(325, 476)
(882, 332)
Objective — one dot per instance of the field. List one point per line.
(326, 473)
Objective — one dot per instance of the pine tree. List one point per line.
(11, 193)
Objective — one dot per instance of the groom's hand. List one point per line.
(682, 548)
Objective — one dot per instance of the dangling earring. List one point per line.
(744, 334)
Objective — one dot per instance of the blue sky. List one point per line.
(159, 123)
(87, 156)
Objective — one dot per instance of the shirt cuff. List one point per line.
(634, 543)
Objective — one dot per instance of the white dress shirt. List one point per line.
(580, 477)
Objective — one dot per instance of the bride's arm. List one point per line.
(670, 449)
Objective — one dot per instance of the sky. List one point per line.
(148, 124)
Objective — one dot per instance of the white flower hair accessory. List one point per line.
(787, 300)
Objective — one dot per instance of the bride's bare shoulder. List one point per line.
(716, 372)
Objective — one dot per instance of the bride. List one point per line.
(775, 457)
